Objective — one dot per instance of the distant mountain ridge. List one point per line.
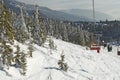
(88, 13)
(49, 13)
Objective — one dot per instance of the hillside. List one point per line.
(83, 64)
(88, 13)
(70, 15)
(28, 50)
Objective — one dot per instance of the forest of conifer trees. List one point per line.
(33, 29)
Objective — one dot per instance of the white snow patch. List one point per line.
(83, 64)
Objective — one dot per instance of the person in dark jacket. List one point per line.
(109, 47)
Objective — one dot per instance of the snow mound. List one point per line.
(83, 64)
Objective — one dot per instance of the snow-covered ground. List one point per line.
(83, 64)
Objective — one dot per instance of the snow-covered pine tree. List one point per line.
(52, 45)
(22, 31)
(7, 55)
(38, 29)
(61, 30)
(17, 57)
(65, 32)
(51, 26)
(56, 29)
(23, 63)
(90, 40)
(43, 31)
(62, 65)
(6, 28)
(30, 48)
(7, 36)
(28, 22)
(82, 36)
(20, 60)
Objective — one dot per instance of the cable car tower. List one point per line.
(95, 46)
(93, 6)
(97, 35)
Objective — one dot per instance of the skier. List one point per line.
(118, 50)
(109, 47)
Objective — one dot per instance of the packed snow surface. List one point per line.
(83, 64)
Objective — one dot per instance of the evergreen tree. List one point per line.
(63, 66)
(65, 33)
(81, 36)
(38, 29)
(7, 36)
(23, 63)
(7, 55)
(17, 58)
(22, 31)
(20, 60)
(6, 28)
(52, 44)
(30, 48)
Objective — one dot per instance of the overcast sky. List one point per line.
(111, 7)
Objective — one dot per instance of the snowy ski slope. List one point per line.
(83, 64)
